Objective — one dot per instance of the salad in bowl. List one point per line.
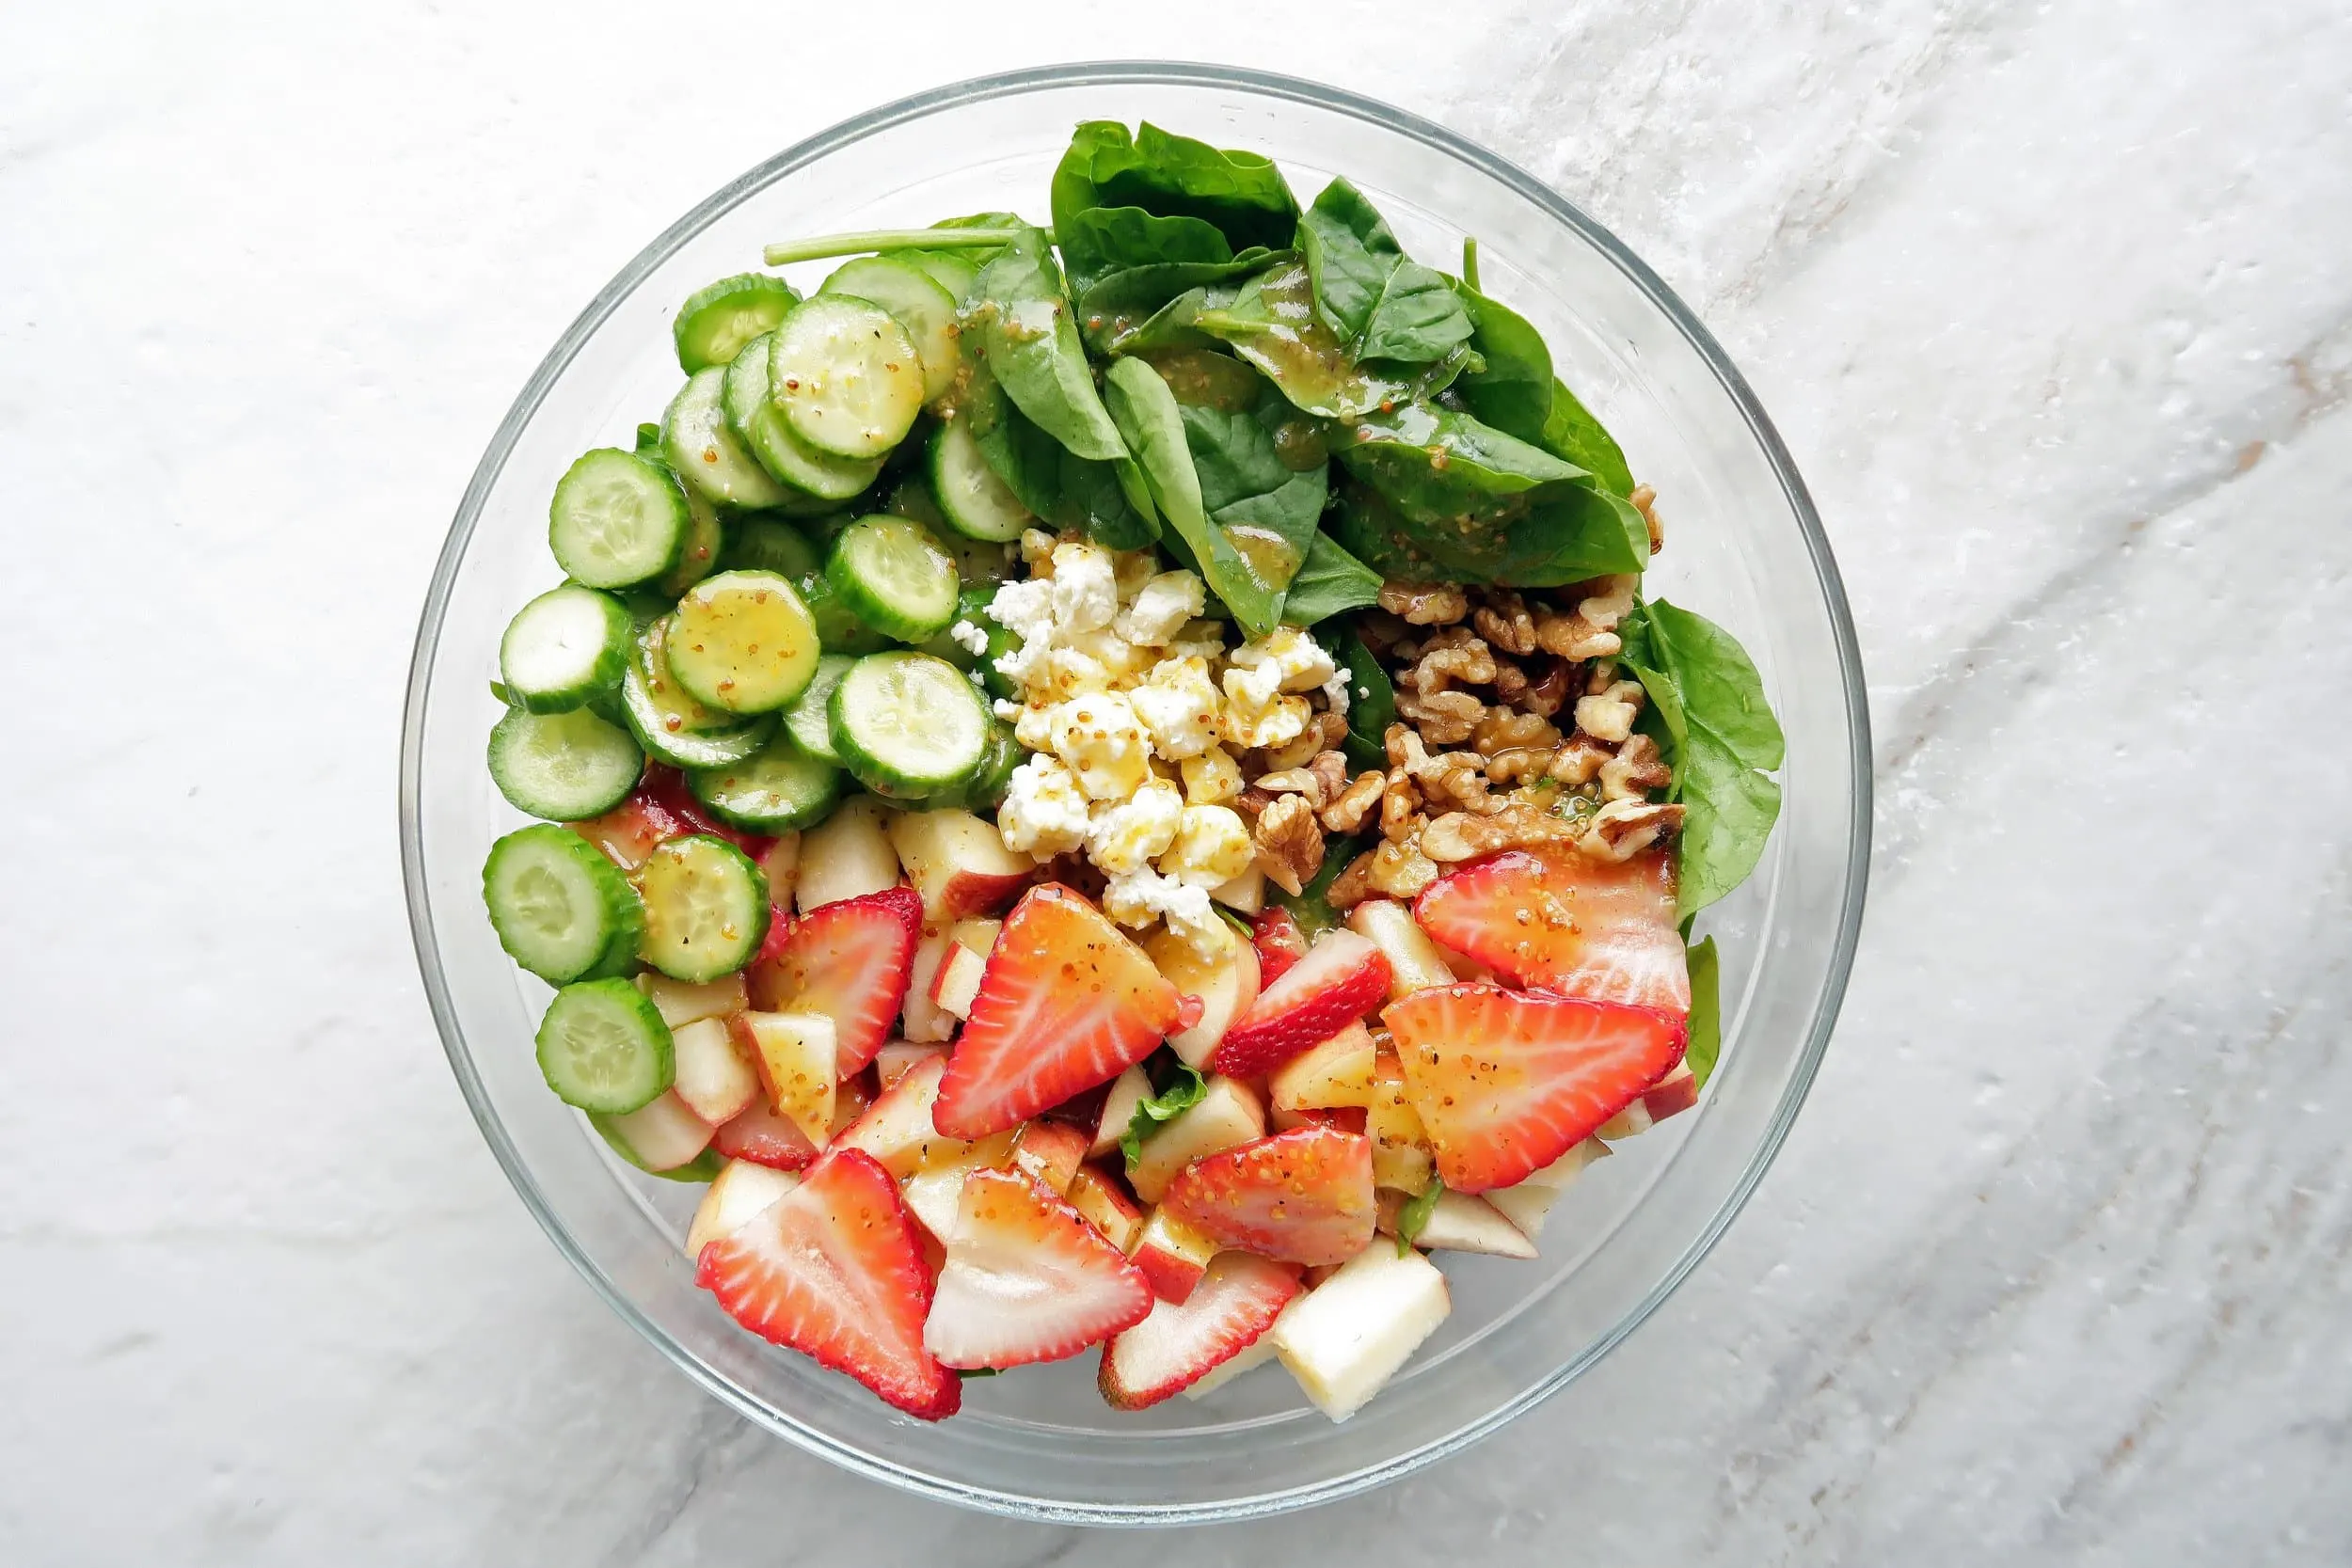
(1112, 787)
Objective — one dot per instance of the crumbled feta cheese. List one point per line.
(1033, 727)
(1066, 673)
(1210, 778)
(1163, 607)
(1114, 653)
(1255, 717)
(1335, 692)
(1178, 705)
(1005, 708)
(1099, 737)
(1211, 847)
(1294, 659)
(1140, 897)
(971, 639)
(1026, 611)
(1037, 551)
(1127, 835)
(1045, 813)
(1133, 569)
(1085, 587)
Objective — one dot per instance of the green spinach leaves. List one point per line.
(1378, 304)
(1033, 349)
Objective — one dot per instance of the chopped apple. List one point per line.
(1225, 979)
(1526, 1204)
(780, 865)
(1400, 1155)
(1344, 1339)
(957, 862)
(679, 1003)
(714, 1078)
(1414, 961)
(1672, 1094)
(1172, 1255)
(1127, 1092)
(1104, 1203)
(796, 1055)
(897, 1059)
(979, 932)
(934, 1194)
(846, 855)
(1460, 1223)
(924, 1020)
(1346, 1118)
(741, 1192)
(957, 984)
(897, 1129)
(1051, 1152)
(1340, 1071)
(1230, 1114)
(1245, 893)
(851, 1098)
(1260, 1351)
(661, 1135)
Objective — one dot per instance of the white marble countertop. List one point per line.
(2052, 303)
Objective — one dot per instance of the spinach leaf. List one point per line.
(1262, 470)
(1371, 703)
(1241, 194)
(1097, 242)
(1376, 302)
(1017, 452)
(1311, 905)
(1413, 1218)
(1512, 389)
(972, 256)
(1272, 323)
(1119, 307)
(1571, 432)
(1329, 582)
(1707, 1011)
(1111, 501)
(1180, 1088)
(1033, 350)
(1725, 744)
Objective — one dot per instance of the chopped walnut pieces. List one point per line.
(1424, 603)
(1645, 501)
(1290, 842)
(1346, 813)
(1460, 836)
(1460, 779)
(1453, 657)
(1510, 683)
(1608, 716)
(1590, 630)
(1291, 781)
(1634, 771)
(1503, 730)
(1352, 886)
(1447, 717)
(1578, 761)
(1623, 829)
(1519, 765)
(1548, 693)
(1323, 732)
(1400, 803)
(1400, 869)
(1330, 772)
(1504, 622)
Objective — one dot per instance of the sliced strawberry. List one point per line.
(1301, 1197)
(1067, 1003)
(763, 1137)
(1280, 943)
(666, 787)
(1558, 920)
(1174, 1348)
(630, 830)
(1027, 1278)
(849, 960)
(834, 1270)
(1507, 1083)
(1340, 979)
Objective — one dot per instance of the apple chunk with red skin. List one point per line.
(1224, 978)
(957, 862)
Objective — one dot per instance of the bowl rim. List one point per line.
(1009, 84)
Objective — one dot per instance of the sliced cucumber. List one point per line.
(742, 643)
(908, 724)
(706, 541)
(776, 789)
(847, 376)
(566, 646)
(894, 575)
(604, 1048)
(945, 268)
(806, 717)
(618, 518)
(697, 443)
(565, 767)
(754, 416)
(975, 502)
(561, 910)
(715, 322)
(838, 629)
(706, 907)
(922, 306)
(978, 561)
(770, 544)
(671, 725)
(985, 789)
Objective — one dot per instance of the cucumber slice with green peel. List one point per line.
(742, 643)
(985, 789)
(754, 416)
(617, 520)
(893, 574)
(922, 306)
(770, 544)
(560, 907)
(978, 561)
(695, 441)
(838, 629)
(715, 322)
(563, 767)
(973, 499)
(847, 376)
(603, 1047)
(806, 717)
(706, 907)
(649, 441)
(671, 725)
(706, 541)
(945, 268)
(564, 647)
(908, 725)
(776, 789)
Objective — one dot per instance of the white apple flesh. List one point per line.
(1259, 1351)
(1414, 961)
(662, 1134)
(741, 1192)
(1460, 1223)
(957, 862)
(847, 856)
(897, 1129)
(1225, 979)
(1126, 1092)
(1229, 1115)
(900, 1058)
(1344, 1339)
(1340, 1071)
(679, 1003)
(1527, 1204)
(798, 1058)
(714, 1078)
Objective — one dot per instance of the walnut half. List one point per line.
(1290, 842)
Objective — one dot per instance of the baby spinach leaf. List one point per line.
(1117, 308)
(1272, 323)
(1261, 483)
(1370, 701)
(1179, 1088)
(1111, 501)
(1017, 452)
(1512, 389)
(1242, 194)
(1413, 1218)
(1032, 346)
(1725, 744)
(1378, 303)
(1329, 582)
(1311, 905)
(1153, 424)
(1571, 432)
(1707, 1011)
(1098, 242)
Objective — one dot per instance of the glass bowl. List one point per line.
(1743, 546)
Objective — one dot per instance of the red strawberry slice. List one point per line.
(1027, 1278)
(763, 1137)
(1067, 1002)
(666, 789)
(1343, 977)
(1280, 943)
(834, 1270)
(1506, 1083)
(1174, 1348)
(850, 961)
(1558, 920)
(1300, 1196)
(630, 830)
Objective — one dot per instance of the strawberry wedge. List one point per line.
(1507, 1083)
(1027, 1278)
(1300, 1196)
(765, 1138)
(1280, 943)
(1067, 1002)
(1557, 920)
(850, 961)
(834, 1270)
(1174, 1348)
(1343, 977)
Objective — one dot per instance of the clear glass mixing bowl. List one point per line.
(1743, 546)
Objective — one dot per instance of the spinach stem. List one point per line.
(821, 246)
(1470, 260)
